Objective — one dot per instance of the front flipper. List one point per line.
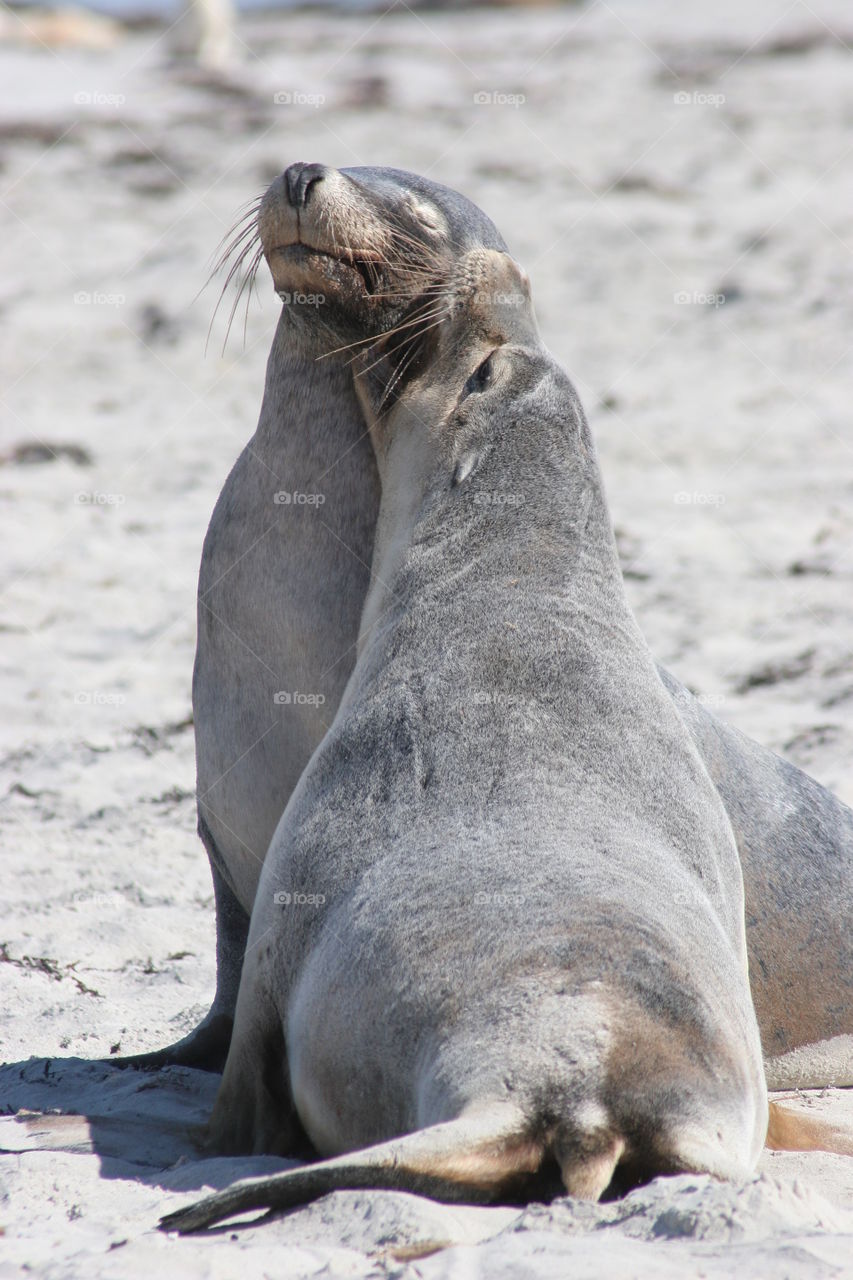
(206, 1048)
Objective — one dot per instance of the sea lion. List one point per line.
(285, 563)
(795, 840)
(502, 913)
(281, 589)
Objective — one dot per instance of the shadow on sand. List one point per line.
(141, 1124)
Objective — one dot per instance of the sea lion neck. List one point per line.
(529, 522)
(298, 380)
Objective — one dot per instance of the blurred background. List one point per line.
(676, 179)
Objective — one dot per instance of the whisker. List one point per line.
(237, 247)
(235, 268)
(360, 342)
(249, 218)
(240, 235)
(414, 338)
(253, 276)
(420, 319)
(249, 231)
(401, 369)
(415, 293)
(404, 365)
(247, 278)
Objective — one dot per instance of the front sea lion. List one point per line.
(502, 913)
(282, 586)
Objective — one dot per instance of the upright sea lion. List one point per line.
(503, 910)
(282, 585)
(285, 565)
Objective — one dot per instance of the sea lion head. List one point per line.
(485, 448)
(355, 253)
(483, 306)
(482, 374)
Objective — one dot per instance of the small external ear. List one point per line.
(464, 467)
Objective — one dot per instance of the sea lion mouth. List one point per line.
(300, 265)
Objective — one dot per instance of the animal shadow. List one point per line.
(141, 1124)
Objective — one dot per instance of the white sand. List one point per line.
(616, 198)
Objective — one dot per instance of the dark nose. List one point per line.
(299, 179)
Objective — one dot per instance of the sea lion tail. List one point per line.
(476, 1158)
(792, 1131)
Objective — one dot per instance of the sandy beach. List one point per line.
(676, 181)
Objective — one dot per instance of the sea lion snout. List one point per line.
(300, 178)
(321, 240)
(357, 245)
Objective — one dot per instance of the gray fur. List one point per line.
(795, 841)
(505, 878)
(281, 589)
(281, 586)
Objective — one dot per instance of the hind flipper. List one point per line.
(587, 1174)
(790, 1130)
(475, 1158)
